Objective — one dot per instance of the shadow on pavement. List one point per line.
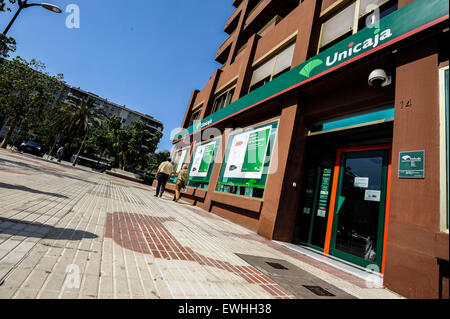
(180, 202)
(38, 230)
(30, 190)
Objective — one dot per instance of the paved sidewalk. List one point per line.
(71, 233)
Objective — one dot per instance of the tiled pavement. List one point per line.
(73, 233)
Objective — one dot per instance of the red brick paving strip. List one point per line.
(147, 235)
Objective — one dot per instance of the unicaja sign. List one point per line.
(387, 31)
(356, 48)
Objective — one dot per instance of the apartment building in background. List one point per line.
(127, 116)
(77, 96)
(343, 141)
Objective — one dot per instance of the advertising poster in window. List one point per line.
(324, 193)
(179, 164)
(202, 160)
(247, 154)
(178, 159)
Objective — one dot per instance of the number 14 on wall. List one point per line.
(405, 104)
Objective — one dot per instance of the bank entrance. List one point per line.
(343, 201)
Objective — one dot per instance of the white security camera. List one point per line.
(378, 78)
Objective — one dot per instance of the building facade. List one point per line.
(127, 116)
(327, 126)
(76, 96)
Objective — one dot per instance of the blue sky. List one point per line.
(146, 54)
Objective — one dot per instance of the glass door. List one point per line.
(360, 206)
(314, 211)
(307, 207)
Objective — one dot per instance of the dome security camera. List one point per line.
(378, 78)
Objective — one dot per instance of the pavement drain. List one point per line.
(319, 291)
(277, 266)
(300, 283)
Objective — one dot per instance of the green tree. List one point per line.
(157, 159)
(7, 44)
(44, 134)
(4, 5)
(76, 121)
(26, 92)
(114, 125)
(101, 139)
(133, 146)
(123, 137)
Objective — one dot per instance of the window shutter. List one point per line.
(262, 72)
(338, 25)
(284, 60)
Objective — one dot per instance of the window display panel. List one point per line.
(179, 158)
(202, 164)
(247, 161)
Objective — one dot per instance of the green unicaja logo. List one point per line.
(309, 67)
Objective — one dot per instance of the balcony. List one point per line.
(264, 11)
(236, 3)
(233, 21)
(225, 48)
(257, 8)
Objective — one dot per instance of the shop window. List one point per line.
(202, 164)
(272, 68)
(223, 100)
(179, 158)
(247, 161)
(351, 19)
(253, 192)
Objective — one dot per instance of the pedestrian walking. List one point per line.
(182, 181)
(165, 170)
(60, 153)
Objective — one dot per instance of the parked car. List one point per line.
(31, 147)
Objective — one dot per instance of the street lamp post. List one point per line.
(23, 4)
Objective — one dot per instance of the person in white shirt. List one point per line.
(165, 170)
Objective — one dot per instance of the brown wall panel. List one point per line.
(410, 273)
(275, 181)
(411, 265)
(280, 32)
(230, 72)
(237, 215)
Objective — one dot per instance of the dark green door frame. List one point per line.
(381, 220)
